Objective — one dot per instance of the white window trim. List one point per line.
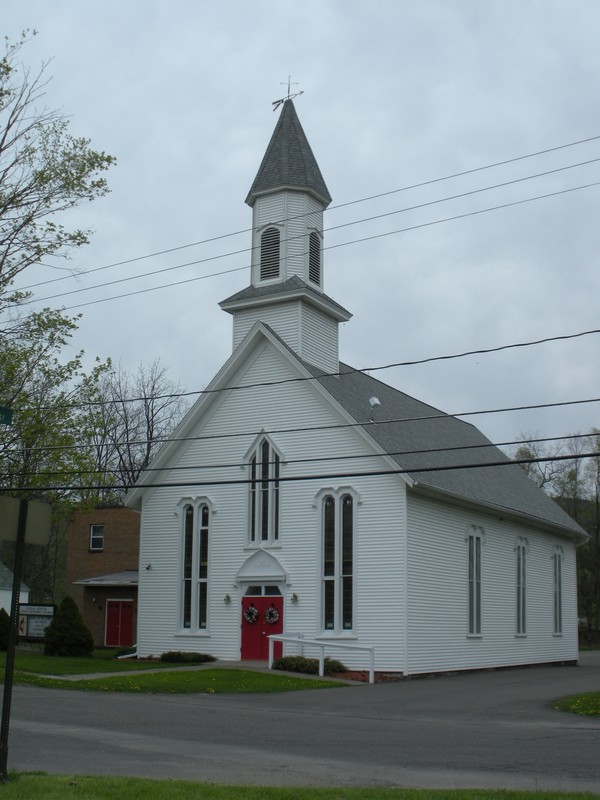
(476, 534)
(196, 503)
(254, 515)
(91, 537)
(558, 557)
(338, 631)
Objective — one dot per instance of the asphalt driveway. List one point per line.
(483, 729)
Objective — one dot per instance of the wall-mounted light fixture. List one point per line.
(148, 567)
(294, 598)
(227, 599)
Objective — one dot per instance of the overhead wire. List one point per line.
(349, 371)
(336, 206)
(323, 459)
(335, 246)
(328, 427)
(303, 478)
(415, 207)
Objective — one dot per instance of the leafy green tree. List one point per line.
(46, 449)
(67, 634)
(44, 171)
(570, 473)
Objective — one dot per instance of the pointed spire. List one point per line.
(289, 162)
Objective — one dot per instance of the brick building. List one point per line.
(102, 571)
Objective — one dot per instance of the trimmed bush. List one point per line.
(67, 634)
(178, 657)
(4, 629)
(309, 666)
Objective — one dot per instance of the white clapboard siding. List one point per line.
(309, 332)
(319, 339)
(380, 512)
(284, 318)
(438, 601)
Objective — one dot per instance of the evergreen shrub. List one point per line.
(178, 657)
(67, 634)
(309, 666)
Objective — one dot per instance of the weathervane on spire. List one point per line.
(289, 83)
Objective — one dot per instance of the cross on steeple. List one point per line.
(289, 83)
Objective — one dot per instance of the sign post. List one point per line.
(12, 638)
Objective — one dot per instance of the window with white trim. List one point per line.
(521, 586)
(194, 578)
(269, 254)
(557, 560)
(338, 562)
(474, 541)
(96, 538)
(265, 468)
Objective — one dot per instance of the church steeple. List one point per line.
(289, 162)
(288, 197)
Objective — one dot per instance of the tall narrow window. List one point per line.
(265, 466)
(338, 562)
(521, 550)
(269, 254)
(474, 548)
(557, 568)
(194, 598)
(314, 258)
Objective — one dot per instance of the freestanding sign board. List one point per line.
(5, 415)
(33, 620)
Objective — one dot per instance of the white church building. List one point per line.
(300, 496)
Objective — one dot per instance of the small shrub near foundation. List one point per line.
(309, 666)
(177, 657)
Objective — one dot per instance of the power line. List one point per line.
(311, 477)
(338, 426)
(331, 208)
(341, 244)
(364, 370)
(229, 254)
(321, 459)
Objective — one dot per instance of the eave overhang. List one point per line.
(502, 512)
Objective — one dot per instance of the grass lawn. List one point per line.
(34, 669)
(100, 661)
(209, 681)
(26, 786)
(587, 705)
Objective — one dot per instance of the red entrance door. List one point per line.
(261, 616)
(119, 623)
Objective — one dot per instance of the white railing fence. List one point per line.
(298, 638)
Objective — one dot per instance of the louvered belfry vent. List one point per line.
(269, 254)
(314, 258)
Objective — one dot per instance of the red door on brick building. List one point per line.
(119, 623)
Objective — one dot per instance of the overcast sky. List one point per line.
(395, 93)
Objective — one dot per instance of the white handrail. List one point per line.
(300, 639)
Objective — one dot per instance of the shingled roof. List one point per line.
(289, 288)
(437, 451)
(289, 162)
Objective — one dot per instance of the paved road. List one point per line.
(489, 729)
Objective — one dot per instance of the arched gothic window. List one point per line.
(265, 465)
(194, 590)
(338, 562)
(269, 254)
